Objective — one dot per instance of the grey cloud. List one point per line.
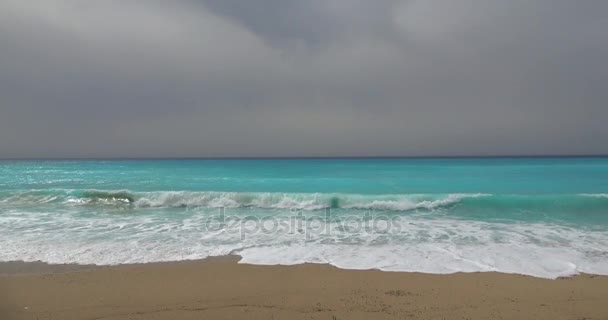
(310, 23)
(302, 78)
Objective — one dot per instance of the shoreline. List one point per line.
(219, 287)
(23, 268)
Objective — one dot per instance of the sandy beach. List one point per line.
(220, 288)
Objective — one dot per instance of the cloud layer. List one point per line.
(302, 78)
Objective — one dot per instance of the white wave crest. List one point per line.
(405, 204)
(298, 201)
(595, 195)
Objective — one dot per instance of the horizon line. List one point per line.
(299, 157)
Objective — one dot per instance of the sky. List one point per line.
(289, 78)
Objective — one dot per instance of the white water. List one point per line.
(419, 243)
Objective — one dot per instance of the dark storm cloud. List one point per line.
(297, 78)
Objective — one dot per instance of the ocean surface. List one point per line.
(545, 217)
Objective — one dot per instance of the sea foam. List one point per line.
(413, 243)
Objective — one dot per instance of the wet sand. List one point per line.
(220, 288)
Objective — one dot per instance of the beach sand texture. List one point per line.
(220, 288)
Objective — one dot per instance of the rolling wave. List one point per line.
(301, 201)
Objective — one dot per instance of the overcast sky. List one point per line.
(207, 78)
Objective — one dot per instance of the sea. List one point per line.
(543, 217)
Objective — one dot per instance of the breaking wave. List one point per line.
(302, 201)
(182, 199)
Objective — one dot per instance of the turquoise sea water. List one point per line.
(546, 217)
